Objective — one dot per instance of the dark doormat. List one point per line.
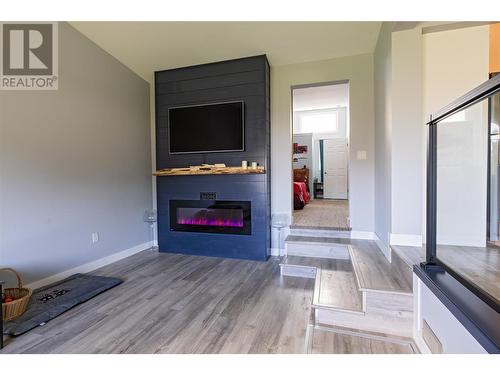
(52, 300)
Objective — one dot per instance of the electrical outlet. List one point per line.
(95, 237)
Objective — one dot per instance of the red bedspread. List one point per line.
(300, 195)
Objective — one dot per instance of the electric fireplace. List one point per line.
(212, 216)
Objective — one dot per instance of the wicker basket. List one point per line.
(11, 310)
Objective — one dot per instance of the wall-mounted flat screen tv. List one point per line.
(217, 127)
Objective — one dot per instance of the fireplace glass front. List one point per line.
(212, 216)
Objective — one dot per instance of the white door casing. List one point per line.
(335, 169)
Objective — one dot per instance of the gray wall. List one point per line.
(358, 70)
(73, 162)
(408, 133)
(382, 87)
(399, 136)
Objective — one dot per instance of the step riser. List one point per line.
(375, 323)
(320, 233)
(370, 335)
(390, 304)
(318, 251)
(384, 313)
(298, 271)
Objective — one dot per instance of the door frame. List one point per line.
(348, 132)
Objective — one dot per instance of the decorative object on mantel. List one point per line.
(208, 169)
(254, 165)
(244, 164)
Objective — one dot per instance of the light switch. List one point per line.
(361, 155)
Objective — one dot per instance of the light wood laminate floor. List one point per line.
(480, 265)
(339, 287)
(374, 270)
(323, 214)
(173, 303)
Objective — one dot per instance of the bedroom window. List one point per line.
(317, 121)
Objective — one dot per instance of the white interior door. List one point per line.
(335, 160)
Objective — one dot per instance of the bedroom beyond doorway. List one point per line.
(320, 156)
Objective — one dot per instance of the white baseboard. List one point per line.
(406, 239)
(362, 235)
(274, 252)
(385, 249)
(91, 266)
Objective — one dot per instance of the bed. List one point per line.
(301, 195)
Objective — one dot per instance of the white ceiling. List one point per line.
(320, 97)
(146, 47)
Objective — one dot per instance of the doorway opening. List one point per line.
(320, 158)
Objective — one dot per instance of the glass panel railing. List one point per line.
(467, 195)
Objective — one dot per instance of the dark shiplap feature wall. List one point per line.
(229, 187)
(246, 79)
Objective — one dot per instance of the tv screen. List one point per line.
(215, 127)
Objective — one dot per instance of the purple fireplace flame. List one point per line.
(217, 217)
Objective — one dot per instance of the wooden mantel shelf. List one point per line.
(207, 171)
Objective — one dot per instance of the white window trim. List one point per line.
(298, 115)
